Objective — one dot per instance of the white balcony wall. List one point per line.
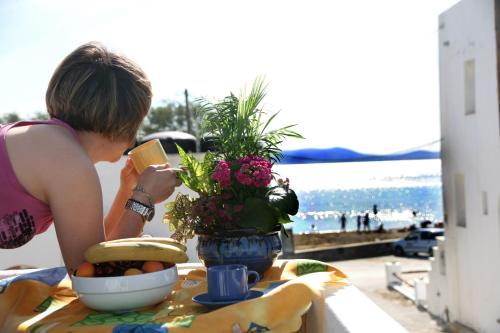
(471, 164)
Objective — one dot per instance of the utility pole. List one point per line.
(190, 125)
(188, 113)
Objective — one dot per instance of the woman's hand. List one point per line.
(159, 181)
(128, 176)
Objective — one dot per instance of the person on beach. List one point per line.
(366, 222)
(96, 101)
(358, 222)
(343, 221)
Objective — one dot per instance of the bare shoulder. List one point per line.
(62, 154)
(41, 137)
(44, 156)
(52, 137)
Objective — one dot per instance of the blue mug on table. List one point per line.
(229, 282)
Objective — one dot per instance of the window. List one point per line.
(427, 235)
(445, 206)
(470, 86)
(442, 258)
(412, 237)
(484, 200)
(460, 200)
(431, 235)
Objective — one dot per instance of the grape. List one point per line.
(116, 268)
(108, 270)
(168, 265)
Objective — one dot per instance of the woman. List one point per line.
(96, 100)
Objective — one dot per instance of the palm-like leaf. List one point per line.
(235, 123)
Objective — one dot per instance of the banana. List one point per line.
(125, 251)
(161, 240)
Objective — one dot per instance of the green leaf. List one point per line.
(178, 217)
(238, 126)
(197, 176)
(284, 219)
(185, 160)
(285, 200)
(307, 266)
(258, 214)
(193, 168)
(268, 122)
(208, 164)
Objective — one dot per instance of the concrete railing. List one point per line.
(415, 290)
(348, 310)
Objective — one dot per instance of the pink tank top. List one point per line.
(22, 216)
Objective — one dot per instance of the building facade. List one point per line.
(465, 278)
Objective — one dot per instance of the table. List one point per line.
(293, 302)
(43, 300)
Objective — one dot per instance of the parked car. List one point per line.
(169, 139)
(418, 241)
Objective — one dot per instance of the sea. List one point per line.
(405, 192)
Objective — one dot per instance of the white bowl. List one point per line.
(125, 292)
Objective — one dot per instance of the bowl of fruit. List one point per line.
(128, 273)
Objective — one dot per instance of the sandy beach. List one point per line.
(334, 239)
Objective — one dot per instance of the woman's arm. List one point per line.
(74, 195)
(128, 180)
(75, 200)
(158, 181)
(115, 215)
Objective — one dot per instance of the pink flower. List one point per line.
(254, 171)
(222, 174)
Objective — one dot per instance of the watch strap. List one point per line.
(145, 211)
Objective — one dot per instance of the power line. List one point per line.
(416, 147)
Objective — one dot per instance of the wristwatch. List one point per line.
(146, 212)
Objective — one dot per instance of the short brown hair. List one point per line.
(99, 91)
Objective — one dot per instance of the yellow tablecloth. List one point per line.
(43, 301)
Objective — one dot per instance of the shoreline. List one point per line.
(317, 240)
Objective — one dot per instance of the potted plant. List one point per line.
(241, 203)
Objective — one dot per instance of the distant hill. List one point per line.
(338, 155)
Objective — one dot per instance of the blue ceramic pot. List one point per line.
(242, 246)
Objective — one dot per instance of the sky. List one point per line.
(360, 74)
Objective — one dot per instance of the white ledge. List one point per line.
(348, 310)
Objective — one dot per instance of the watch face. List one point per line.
(150, 214)
(146, 212)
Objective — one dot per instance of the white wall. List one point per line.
(437, 289)
(471, 147)
(43, 250)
